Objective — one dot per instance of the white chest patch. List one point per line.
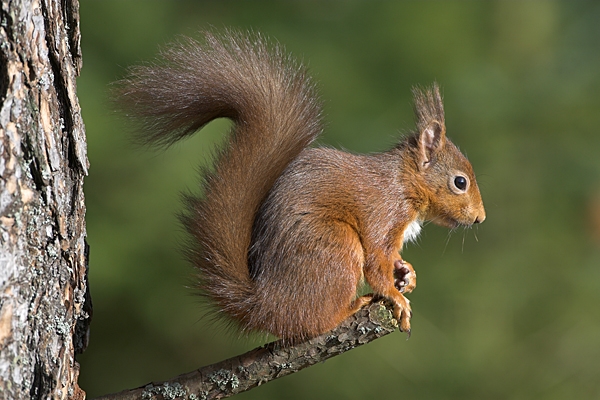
(412, 231)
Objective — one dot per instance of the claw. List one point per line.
(404, 321)
(407, 331)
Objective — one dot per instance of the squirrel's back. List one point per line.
(276, 115)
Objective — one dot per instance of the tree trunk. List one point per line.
(44, 303)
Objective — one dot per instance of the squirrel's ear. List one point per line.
(429, 112)
(431, 139)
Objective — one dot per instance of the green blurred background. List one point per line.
(510, 310)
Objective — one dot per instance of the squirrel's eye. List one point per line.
(460, 182)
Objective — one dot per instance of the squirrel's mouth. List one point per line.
(450, 223)
(453, 223)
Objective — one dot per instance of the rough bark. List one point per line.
(268, 362)
(43, 291)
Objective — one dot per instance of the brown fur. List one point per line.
(285, 233)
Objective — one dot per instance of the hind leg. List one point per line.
(315, 284)
(341, 261)
(357, 304)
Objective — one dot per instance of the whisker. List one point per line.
(447, 240)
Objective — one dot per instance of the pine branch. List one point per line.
(268, 362)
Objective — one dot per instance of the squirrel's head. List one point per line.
(445, 177)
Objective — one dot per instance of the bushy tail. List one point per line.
(276, 114)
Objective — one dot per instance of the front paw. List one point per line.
(405, 277)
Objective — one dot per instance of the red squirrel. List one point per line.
(285, 233)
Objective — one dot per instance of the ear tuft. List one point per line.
(428, 106)
(429, 113)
